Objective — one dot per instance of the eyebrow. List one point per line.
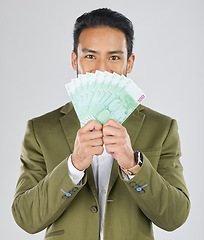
(89, 50)
(116, 52)
(110, 52)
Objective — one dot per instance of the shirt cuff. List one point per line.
(125, 176)
(75, 175)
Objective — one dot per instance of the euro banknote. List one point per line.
(103, 95)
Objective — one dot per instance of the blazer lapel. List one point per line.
(114, 175)
(70, 124)
(134, 123)
(91, 181)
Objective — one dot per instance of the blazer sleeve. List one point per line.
(164, 199)
(39, 200)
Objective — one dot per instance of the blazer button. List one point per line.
(74, 189)
(142, 191)
(133, 184)
(94, 209)
(67, 195)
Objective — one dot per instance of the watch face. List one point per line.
(140, 159)
(141, 156)
(139, 162)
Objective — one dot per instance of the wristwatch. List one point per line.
(139, 160)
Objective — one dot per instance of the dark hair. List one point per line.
(104, 17)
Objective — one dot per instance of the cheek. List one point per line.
(84, 66)
(81, 69)
(119, 68)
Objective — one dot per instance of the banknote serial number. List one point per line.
(141, 98)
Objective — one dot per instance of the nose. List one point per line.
(102, 65)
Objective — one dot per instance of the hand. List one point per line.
(88, 142)
(117, 143)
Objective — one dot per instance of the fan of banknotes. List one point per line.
(102, 95)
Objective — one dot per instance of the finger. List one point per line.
(97, 150)
(91, 125)
(111, 148)
(111, 131)
(107, 140)
(113, 123)
(96, 142)
(94, 134)
(84, 136)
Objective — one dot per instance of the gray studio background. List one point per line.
(35, 48)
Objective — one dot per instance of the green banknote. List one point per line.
(102, 95)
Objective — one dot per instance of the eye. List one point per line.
(90, 56)
(114, 58)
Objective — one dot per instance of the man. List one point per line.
(101, 182)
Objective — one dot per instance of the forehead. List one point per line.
(102, 38)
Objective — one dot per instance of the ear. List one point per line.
(74, 60)
(130, 63)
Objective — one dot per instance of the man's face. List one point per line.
(103, 49)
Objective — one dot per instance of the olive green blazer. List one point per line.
(40, 203)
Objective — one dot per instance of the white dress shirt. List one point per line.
(101, 166)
